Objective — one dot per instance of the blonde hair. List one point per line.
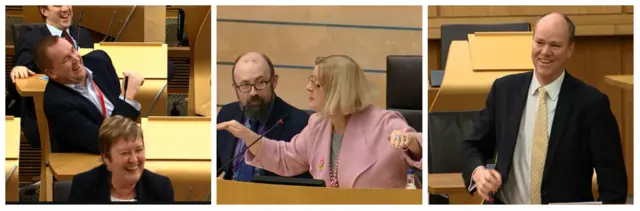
(114, 128)
(346, 88)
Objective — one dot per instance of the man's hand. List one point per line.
(20, 72)
(487, 180)
(135, 82)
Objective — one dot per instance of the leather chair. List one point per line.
(12, 97)
(61, 191)
(404, 88)
(451, 32)
(404, 91)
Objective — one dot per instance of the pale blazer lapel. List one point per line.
(356, 154)
(320, 159)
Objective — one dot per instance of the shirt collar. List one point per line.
(55, 31)
(553, 88)
(88, 80)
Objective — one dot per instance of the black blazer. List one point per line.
(24, 56)
(226, 142)
(584, 136)
(74, 121)
(93, 187)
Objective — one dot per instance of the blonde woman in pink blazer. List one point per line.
(348, 142)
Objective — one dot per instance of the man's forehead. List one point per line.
(252, 62)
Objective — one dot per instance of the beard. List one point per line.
(256, 108)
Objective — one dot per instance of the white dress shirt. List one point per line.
(57, 32)
(90, 93)
(518, 185)
(517, 188)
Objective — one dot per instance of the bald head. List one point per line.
(558, 22)
(252, 61)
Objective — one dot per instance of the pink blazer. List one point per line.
(367, 159)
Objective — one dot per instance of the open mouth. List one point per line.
(64, 16)
(132, 169)
(545, 62)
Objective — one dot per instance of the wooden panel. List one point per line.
(627, 110)
(586, 25)
(467, 11)
(399, 16)
(627, 9)
(291, 86)
(300, 45)
(433, 11)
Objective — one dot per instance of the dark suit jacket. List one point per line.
(73, 120)
(227, 143)
(24, 56)
(584, 136)
(94, 187)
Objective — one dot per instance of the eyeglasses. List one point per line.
(246, 87)
(312, 79)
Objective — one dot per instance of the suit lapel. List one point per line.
(355, 156)
(324, 150)
(563, 110)
(519, 99)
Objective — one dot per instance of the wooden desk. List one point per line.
(177, 138)
(452, 185)
(499, 51)
(191, 180)
(34, 87)
(12, 158)
(625, 82)
(621, 81)
(253, 193)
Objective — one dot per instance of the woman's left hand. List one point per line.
(406, 141)
(238, 130)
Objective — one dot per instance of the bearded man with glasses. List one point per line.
(258, 108)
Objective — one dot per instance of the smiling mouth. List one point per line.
(545, 62)
(132, 169)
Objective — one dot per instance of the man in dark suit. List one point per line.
(58, 23)
(258, 107)
(550, 131)
(81, 93)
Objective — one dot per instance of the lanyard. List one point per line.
(102, 105)
(241, 144)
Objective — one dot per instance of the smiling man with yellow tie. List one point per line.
(549, 129)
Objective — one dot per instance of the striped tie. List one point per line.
(539, 146)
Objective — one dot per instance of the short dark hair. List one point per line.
(42, 60)
(571, 27)
(272, 69)
(114, 128)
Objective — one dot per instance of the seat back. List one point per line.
(61, 191)
(447, 131)
(451, 32)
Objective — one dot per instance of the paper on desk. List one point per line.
(578, 203)
(46, 78)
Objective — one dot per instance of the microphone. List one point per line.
(153, 103)
(109, 29)
(280, 122)
(126, 85)
(78, 27)
(125, 22)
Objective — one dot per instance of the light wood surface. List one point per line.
(11, 186)
(148, 59)
(191, 180)
(461, 82)
(177, 138)
(621, 81)
(589, 20)
(234, 192)
(499, 51)
(12, 137)
(452, 185)
(300, 45)
(31, 86)
(198, 17)
(399, 16)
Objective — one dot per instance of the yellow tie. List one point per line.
(539, 146)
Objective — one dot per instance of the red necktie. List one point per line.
(67, 37)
